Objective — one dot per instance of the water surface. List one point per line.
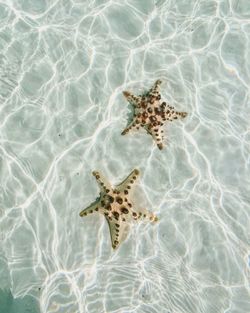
(63, 67)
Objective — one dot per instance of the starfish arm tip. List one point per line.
(136, 171)
(126, 94)
(82, 213)
(153, 218)
(156, 219)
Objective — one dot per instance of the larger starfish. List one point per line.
(150, 113)
(114, 204)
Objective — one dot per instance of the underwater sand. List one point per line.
(63, 67)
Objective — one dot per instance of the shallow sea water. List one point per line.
(63, 67)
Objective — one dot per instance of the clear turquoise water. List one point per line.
(26, 304)
(63, 67)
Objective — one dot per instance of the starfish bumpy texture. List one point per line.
(114, 204)
(150, 113)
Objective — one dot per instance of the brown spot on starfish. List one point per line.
(120, 212)
(151, 113)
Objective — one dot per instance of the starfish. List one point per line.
(150, 113)
(115, 205)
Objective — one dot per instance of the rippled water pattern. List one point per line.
(63, 67)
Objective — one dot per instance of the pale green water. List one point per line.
(63, 67)
(9, 305)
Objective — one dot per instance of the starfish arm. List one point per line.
(171, 114)
(144, 214)
(102, 182)
(93, 207)
(156, 133)
(132, 125)
(155, 90)
(134, 100)
(125, 186)
(118, 231)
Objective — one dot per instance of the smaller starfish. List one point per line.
(150, 113)
(114, 204)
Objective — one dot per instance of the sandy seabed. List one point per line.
(63, 67)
